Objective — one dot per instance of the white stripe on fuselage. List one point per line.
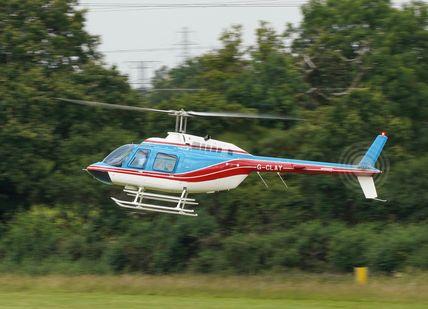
(172, 185)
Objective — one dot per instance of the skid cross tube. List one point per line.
(161, 197)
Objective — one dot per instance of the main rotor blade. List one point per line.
(241, 115)
(116, 106)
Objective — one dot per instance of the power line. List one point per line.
(259, 3)
(112, 7)
(155, 3)
(166, 49)
(116, 7)
(167, 89)
(157, 49)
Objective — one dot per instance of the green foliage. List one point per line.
(408, 188)
(395, 247)
(348, 248)
(146, 246)
(44, 240)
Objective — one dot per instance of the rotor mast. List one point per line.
(181, 120)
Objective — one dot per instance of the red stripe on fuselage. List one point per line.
(212, 175)
(237, 167)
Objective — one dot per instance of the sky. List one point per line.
(132, 31)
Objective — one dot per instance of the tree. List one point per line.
(45, 53)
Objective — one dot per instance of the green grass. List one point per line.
(197, 291)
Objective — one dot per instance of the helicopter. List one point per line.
(169, 169)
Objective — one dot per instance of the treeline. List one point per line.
(44, 240)
(351, 69)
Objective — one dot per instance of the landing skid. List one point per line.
(140, 195)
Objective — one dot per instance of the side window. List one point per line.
(164, 162)
(139, 159)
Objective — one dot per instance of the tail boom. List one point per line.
(364, 170)
(310, 167)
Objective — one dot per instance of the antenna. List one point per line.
(264, 182)
(282, 179)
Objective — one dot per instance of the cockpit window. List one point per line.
(164, 162)
(139, 159)
(117, 156)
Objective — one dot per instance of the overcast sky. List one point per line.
(123, 27)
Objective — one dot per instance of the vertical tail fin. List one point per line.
(371, 156)
(368, 161)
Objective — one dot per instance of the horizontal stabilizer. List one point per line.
(368, 186)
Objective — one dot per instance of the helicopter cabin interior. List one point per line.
(132, 156)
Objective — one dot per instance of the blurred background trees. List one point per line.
(351, 68)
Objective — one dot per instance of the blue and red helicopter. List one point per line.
(183, 163)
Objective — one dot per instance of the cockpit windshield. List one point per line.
(117, 156)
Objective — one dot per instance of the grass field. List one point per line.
(194, 291)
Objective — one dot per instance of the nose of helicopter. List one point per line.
(98, 173)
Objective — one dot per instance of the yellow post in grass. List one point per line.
(361, 275)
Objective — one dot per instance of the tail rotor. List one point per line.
(371, 159)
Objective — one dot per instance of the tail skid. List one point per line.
(369, 188)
